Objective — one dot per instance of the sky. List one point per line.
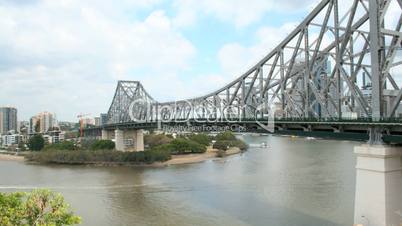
(66, 56)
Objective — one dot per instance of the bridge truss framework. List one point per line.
(342, 61)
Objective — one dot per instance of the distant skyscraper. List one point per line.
(103, 119)
(8, 120)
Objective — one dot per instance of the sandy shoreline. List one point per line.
(7, 157)
(196, 158)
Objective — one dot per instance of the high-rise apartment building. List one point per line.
(103, 120)
(42, 122)
(8, 120)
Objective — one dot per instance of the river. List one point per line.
(293, 181)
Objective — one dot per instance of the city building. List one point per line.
(54, 137)
(8, 120)
(10, 139)
(88, 122)
(97, 121)
(104, 119)
(42, 122)
(68, 126)
(23, 125)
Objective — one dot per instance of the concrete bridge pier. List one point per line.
(129, 140)
(378, 198)
(106, 134)
(119, 140)
(139, 140)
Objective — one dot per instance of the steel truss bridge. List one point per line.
(339, 70)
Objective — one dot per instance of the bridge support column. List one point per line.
(139, 140)
(106, 135)
(378, 198)
(119, 140)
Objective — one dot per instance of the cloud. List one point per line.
(56, 54)
(237, 12)
(65, 56)
(235, 58)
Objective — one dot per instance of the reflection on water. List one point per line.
(294, 181)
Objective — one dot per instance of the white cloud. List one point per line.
(65, 56)
(55, 54)
(235, 58)
(238, 12)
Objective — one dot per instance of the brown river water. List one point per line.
(293, 181)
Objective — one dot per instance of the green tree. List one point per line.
(153, 140)
(227, 140)
(202, 139)
(225, 136)
(11, 208)
(183, 146)
(36, 142)
(65, 145)
(222, 145)
(38, 208)
(103, 145)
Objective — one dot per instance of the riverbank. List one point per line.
(9, 157)
(182, 159)
(210, 154)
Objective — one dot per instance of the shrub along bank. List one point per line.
(195, 143)
(159, 149)
(226, 140)
(99, 156)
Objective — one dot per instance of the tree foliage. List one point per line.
(99, 156)
(36, 142)
(153, 140)
(103, 145)
(202, 139)
(38, 208)
(184, 146)
(222, 145)
(227, 140)
(225, 136)
(65, 145)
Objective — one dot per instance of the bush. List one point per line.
(65, 145)
(36, 142)
(157, 155)
(222, 145)
(183, 146)
(221, 154)
(240, 144)
(40, 207)
(164, 147)
(86, 144)
(99, 156)
(227, 140)
(153, 140)
(202, 139)
(103, 145)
